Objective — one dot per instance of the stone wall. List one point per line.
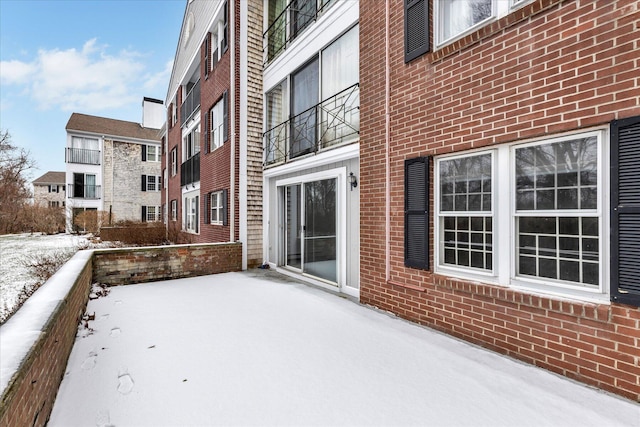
(137, 265)
(42, 196)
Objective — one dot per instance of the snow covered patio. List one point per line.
(254, 348)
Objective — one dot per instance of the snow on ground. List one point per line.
(242, 349)
(14, 249)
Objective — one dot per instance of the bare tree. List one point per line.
(15, 162)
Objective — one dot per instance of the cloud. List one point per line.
(89, 79)
(16, 72)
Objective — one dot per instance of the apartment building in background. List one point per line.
(311, 138)
(212, 161)
(498, 177)
(113, 166)
(49, 190)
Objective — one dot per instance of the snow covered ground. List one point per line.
(244, 349)
(14, 248)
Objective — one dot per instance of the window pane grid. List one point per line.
(560, 175)
(468, 241)
(562, 248)
(466, 187)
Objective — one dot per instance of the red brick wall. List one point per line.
(146, 264)
(550, 67)
(29, 396)
(215, 167)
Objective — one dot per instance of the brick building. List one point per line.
(114, 165)
(499, 198)
(212, 159)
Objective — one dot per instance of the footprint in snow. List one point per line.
(115, 332)
(90, 362)
(125, 384)
(103, 317)
(102, 419)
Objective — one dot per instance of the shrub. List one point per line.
(91, 221)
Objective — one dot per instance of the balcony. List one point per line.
(90, 192)
(190, 104)
(82, 156)
(333, 122)
(190, 170)
(290, 23)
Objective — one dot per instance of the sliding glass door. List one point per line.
(310, 228)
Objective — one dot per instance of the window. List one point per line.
(174, 210)
(191, 213)
(84, 151)
(456, 18)
(526, 214)
(218, 119)
(464, 213)
(54, 189)
(416, 28)
(151, 183)
(174, 161)
(218, 202)
(150, 153)
(174, 113)
(151, 213)
(164, 178)
(84, 186)
(54, 204)
(191, 143)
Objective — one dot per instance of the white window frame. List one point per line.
(174, 210)
(154, 182)
(153, 153)
(190, 220)
(505, 245)
(216, 118)
(174, 161)
(499, 8)
(153, 213)
(191, 139)
(216, 209)
(477, 273)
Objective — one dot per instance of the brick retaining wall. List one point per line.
(30, 393)
(29, 396)
(146, 264)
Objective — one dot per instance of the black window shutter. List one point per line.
(144, 153)
(625, 211)
(225, 118)
(416, 213)
(197, 214)
(206, 131)
(416, 28)
(206, 214)
(225, 220)
(144, 214)
(207, 50)
(143, 183)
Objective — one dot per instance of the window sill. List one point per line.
(491, 28)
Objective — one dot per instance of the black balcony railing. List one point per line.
(84, 191)
(190, 104)
(83, 156)
(334, 121)
(190, 170)
(289, 23)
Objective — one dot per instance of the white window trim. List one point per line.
(499, 8)
(219, 208)
(504, 224)
(157, 185)
(157, 154)
(185, 212)
(218, 130)
(174, 161)
(174, 210)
